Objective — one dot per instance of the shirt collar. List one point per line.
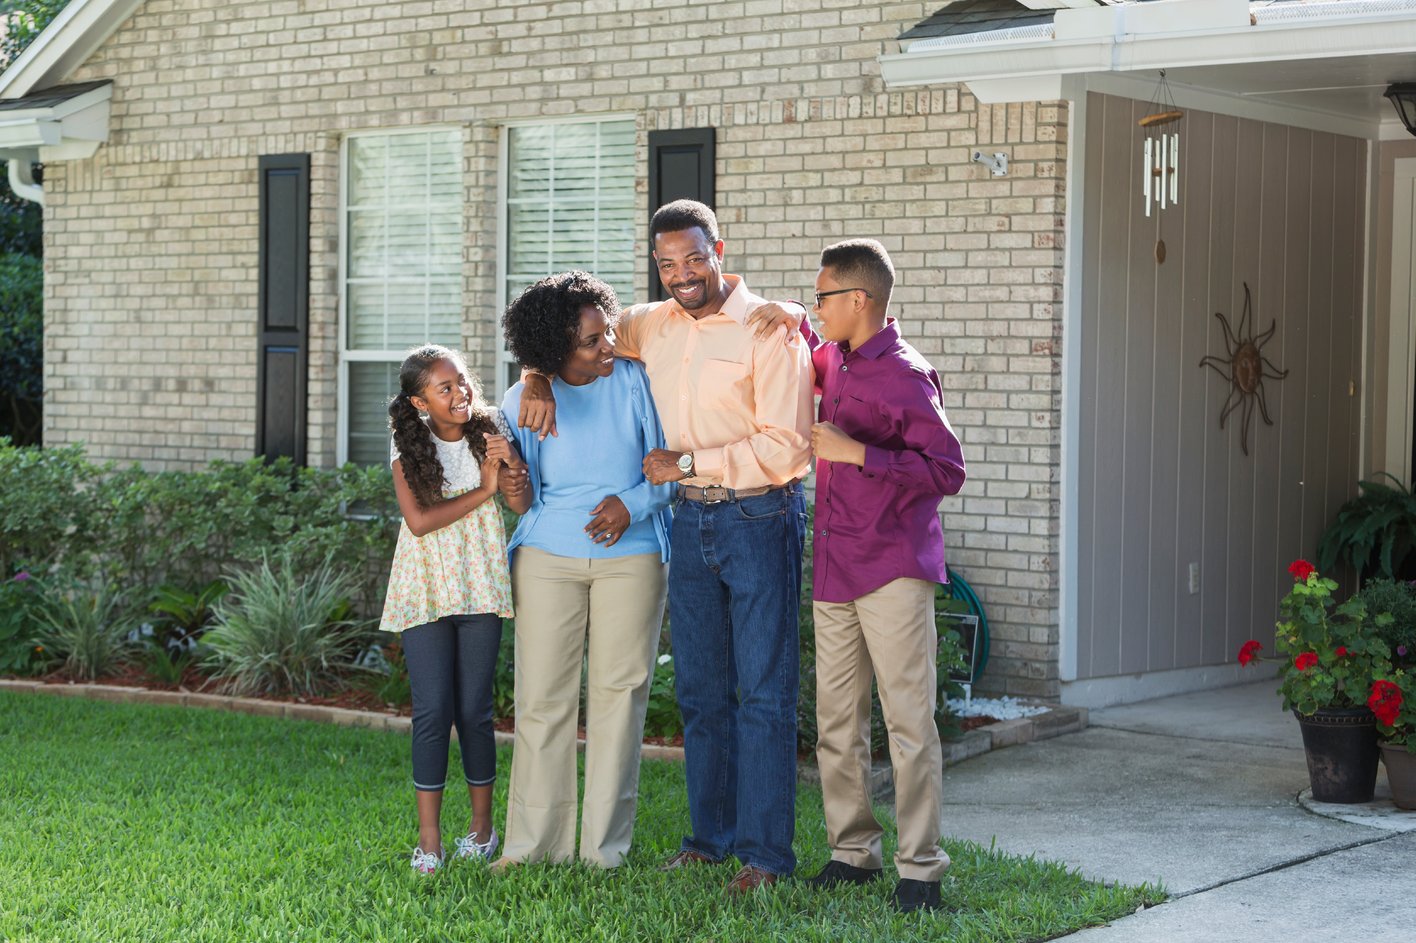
(739, 304)
(883, 340)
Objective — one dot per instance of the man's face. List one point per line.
(690, 267)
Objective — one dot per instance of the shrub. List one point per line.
(1399, 599)
(145, 529)
(45, 505)
(88, 628)
(21, 341)
(282, 630)
(19, 601)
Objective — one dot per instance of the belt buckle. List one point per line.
(724, 495)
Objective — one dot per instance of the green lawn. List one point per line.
(148, 823)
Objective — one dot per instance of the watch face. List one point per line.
(685, 462)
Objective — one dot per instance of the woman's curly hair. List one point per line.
(542, 325)
(411, 435)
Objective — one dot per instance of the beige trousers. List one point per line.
(889, 632)
(619, 604)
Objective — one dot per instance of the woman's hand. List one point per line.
(609, 520)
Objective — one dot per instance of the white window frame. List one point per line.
(344, 355)
(504, 360)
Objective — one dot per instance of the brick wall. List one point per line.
(151, 245)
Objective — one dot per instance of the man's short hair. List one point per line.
(684, 214)
(861, 263)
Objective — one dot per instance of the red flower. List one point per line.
(1305, 660)
(1301, 570)
(1385, 702)
(1249, 652)
(1342, 651)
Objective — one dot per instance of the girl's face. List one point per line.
(594, 353)
(446, 398)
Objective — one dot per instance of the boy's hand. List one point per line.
(767, 318)
(538, 405)
(833, 445)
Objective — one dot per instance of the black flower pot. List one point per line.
(1341, 744)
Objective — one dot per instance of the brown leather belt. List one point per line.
(717, 494)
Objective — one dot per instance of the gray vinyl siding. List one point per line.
(1160, 484)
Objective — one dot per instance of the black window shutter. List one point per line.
(283, 330)
(680, 168)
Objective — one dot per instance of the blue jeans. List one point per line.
(734, 590)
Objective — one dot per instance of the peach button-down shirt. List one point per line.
(742, 406)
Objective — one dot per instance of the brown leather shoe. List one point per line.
(750, 879)
(684, 859)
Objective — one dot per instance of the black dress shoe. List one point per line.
(837, 873)
(916, 895)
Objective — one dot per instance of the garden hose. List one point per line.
(960, 589)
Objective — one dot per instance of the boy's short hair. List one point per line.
(684, 214)
(863, 263)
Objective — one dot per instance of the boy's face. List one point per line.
(841, 314)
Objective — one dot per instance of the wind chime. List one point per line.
(1160, 171)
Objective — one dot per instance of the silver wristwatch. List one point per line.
(685, 464)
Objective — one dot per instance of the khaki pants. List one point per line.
(892, 631)
(619, 603)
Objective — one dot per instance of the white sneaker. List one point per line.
(425, 862)
(469, 847)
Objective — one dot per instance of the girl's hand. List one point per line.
(491, 472)
(499, 448)
(609, 521)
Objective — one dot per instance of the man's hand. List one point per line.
(609, 522)
(773, 315)
(829, 442)
(538, 405)
(661, 467)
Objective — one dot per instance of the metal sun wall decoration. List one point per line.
(1247, 368)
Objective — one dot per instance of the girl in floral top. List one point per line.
(449, 587)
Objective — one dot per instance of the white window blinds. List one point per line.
(569, 204)
(403, 205)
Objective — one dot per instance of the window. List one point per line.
(401, 268)
(568, 203)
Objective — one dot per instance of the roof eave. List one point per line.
(68, 130)
(64, 45)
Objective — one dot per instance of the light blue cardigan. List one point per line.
(642, 501)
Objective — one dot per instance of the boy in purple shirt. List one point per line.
(886, 455)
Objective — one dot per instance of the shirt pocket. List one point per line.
(724, 384)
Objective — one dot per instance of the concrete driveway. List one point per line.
(1199, 794)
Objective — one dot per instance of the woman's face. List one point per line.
(594, 353)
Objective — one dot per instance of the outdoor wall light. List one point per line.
(1403, 96)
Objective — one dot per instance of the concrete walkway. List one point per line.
(1199, 794)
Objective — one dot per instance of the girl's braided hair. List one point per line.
(411, 435)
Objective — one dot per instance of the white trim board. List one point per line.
(1094, 693)
(1074, 278)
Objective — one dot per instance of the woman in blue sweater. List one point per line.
(590, 556)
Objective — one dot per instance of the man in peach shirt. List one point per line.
(737, 413)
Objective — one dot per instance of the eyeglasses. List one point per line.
(838, 291)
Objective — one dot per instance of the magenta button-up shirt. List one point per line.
(881, 522)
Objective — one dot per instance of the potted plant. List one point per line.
(1393, 701)
(1374, 532)
(1329, 655)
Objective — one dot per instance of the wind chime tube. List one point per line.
(1164, 167)
(1175, 168)
(1146, 176)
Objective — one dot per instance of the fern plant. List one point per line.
(282, 631)
(1374, 532)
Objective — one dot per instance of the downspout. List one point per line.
(22, 181)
